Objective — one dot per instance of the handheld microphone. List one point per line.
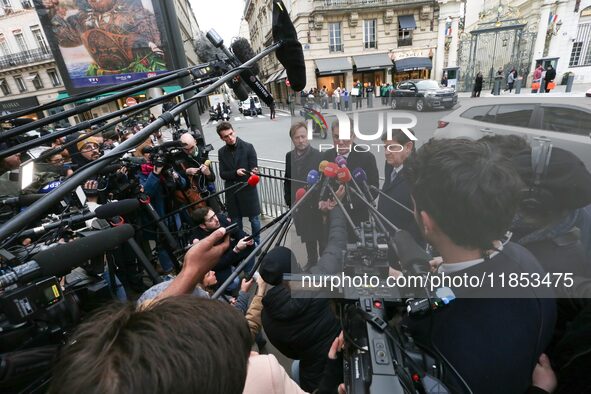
(290, 53)
(61, 259)
(322, 166)
(252, 181)
(207, 163)
(341, 161)
(313, 177)
(21, 201)
(106, 211)
(344, 175)
(300, 193)
(330, 172)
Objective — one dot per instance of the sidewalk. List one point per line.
(578, 90)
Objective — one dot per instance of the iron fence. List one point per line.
(270, 190)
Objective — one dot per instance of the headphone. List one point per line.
(535, 197)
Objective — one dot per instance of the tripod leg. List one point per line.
(144, 261)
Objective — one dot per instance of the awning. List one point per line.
(374, 61)
(413, 63)
(64, 95)
(281, 76)
(407, 22)
(272, 76)
(333, 65)
(170, 89)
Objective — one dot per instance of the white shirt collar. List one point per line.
(456, 267)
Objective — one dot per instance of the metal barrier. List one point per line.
(270, 190)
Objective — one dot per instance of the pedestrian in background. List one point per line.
(346, 97)
(477, 85)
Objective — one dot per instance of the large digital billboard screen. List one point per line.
(105, 42)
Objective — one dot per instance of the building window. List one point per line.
(404, 37)
(41, 43)
(20, 83)
(369, 33)
(4, 87)
(581, 53)
(4, 51)
(55, 79)
(26, 4)
(37, 82)
(7, 7)
(20, 40)
(335, 42)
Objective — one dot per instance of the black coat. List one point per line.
(246, 202)
(308, 219)
(302, 329)
(399, 190)
(367, 162)
(478, 83)
(550, 75)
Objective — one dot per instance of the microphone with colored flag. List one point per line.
(361, 178)
(344, 175)
(330, 173)
(313, 177)
(290, 54)
(341, 161)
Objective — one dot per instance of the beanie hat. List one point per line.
(566, 179)
(89, 140)
(276, 263)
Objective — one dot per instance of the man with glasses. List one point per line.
(198, 174)
(238, 159)
(207, 222)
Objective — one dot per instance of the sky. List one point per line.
(222, 15)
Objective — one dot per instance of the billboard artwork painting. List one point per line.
(104, 42)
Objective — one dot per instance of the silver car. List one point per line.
(563, 121)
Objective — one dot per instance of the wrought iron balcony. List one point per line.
(354, 4)
(404, 42)
(25, 57)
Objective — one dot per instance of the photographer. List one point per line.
(466, 196)
(200, 176)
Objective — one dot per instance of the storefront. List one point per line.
(15, 105)
(374, 69)
(330, 72)
(412, 68)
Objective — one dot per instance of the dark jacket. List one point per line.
(550, 75)
(308, 219)
(509, 333)
(478, 83)
(302, 329)
(246, 202)
(399, 190)
(367, 162)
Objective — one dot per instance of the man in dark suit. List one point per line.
(237, 159)
(355, 159)
(298, 163)
(396, 150)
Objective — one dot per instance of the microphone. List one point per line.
(106, 211)
(313, 177)
(361, 178)
(290, 53)
(244, 52)
(341, 161)
(21, 201)
(300, 193)
(61, 259)
(238, 88)
(330, 172)
(252, 182)
(207, 163)
(322, 166)
(344, 175)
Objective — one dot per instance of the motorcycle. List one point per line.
(311, 111)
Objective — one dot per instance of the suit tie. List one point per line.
(393, 176)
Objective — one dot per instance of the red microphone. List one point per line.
(253, 180)
(344, 175)
(299, 194)
(330, 170)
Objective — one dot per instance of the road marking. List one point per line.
(280, 114)
(248, 117)
(238, 118)
(260, 116)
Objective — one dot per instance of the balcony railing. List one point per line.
(352, 4)
(24, 58)
(336, 48)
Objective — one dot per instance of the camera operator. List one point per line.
(466, 196)
(298, 163)
(200, 176)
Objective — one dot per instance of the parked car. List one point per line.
(564, 122)
(422, 94)
(245, 106)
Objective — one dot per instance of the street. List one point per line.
(271, 137)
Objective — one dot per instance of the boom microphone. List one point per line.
(61, 259)
(22, 200)
(290, 53)
(341, 161)
(244, 52)
(300, 193)
(238, 88)
(313, 177)
(344, 175)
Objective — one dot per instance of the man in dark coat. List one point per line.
(298, 163)
(397, 150)
(237, 159)
(549, 77)
(355, 159)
